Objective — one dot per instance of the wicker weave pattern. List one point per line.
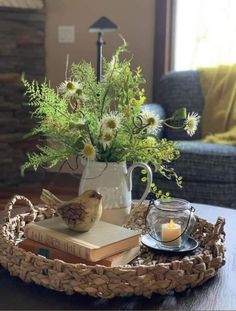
(149, 273)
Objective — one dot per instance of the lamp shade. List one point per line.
(103, 24)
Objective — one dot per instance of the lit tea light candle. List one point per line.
(171, 231)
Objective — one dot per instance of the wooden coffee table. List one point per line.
(218, 293)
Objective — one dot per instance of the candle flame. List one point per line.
(171, 224)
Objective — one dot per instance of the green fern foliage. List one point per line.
(99, 121)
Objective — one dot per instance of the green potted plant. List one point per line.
(104, 125)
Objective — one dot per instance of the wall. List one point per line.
(135, 19)
(21, 51)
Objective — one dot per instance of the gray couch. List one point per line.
(208, 170)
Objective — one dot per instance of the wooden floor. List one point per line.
(64, 186)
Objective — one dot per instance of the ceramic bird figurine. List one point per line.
(81, 213)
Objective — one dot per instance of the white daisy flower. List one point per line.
(107, 137)
(191, 123)
(70, 88)
(89, 151)
(153, 121)
(111, 121)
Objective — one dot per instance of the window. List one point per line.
(205, 33)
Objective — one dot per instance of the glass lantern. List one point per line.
(170, 222)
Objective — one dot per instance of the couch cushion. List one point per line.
(181, 89)
(221, 194)
(201, 161)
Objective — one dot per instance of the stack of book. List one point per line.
(104, 244)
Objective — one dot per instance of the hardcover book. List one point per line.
(119, 259)
(102, 240)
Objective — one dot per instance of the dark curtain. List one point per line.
(164, 15)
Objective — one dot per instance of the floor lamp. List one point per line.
(102, 25)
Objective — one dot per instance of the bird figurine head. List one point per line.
(80, 213)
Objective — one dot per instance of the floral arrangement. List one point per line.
(102, 121)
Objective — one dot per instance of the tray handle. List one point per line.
(9, 206)
(219, 228)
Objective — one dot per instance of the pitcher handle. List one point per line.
(149, 179)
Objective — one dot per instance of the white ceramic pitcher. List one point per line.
(114, 182)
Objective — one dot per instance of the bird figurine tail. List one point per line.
(50, 199)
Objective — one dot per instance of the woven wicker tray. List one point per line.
(147, 274)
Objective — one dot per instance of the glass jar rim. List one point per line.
(168, 204)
